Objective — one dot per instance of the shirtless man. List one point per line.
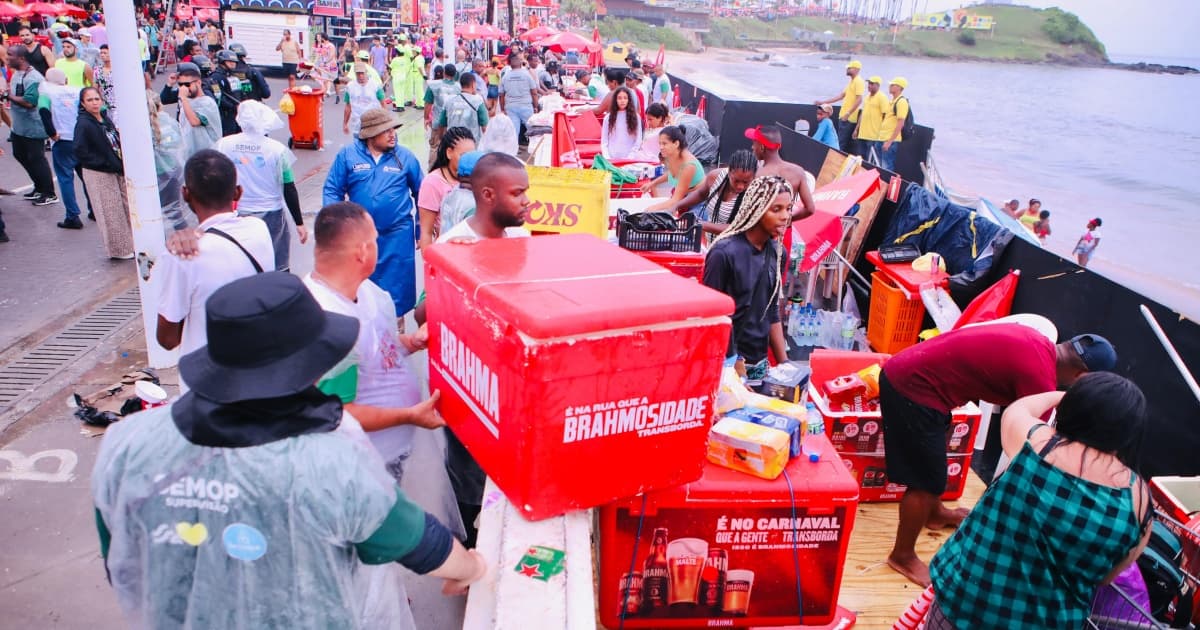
(767, 142)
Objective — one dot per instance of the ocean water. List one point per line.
(1087, 142)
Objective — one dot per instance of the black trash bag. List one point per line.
(649, 221)
(956, 233)
(965, 286)
(93, 416)
(700, 140)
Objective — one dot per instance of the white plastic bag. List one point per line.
(501, 136)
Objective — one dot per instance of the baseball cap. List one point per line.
(467, 162)
(901, 81)
(1095, 351)
(756, 134)
(362, 54)
(360, 67)
(855, 64)
(826, 107)
(875, 79)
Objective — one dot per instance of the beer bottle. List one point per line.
(655, 575)
(712, 581)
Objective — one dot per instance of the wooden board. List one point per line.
(869, 586)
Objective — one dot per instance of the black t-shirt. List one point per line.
(748, 275)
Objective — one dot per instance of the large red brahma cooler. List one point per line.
(724, 550)
(575, 372)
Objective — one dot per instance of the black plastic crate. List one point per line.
(685, 238)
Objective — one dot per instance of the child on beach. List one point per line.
(1088, 242)
(1041, 228)
(744, 263)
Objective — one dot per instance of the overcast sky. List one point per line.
(1168, 28)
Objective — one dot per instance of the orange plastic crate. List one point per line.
(895, 320)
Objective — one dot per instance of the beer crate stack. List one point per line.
(842, 390)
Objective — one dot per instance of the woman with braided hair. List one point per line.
(714, 201)
(744, 262)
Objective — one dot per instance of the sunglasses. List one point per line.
(186, 83)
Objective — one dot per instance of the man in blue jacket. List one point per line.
(825, 132)
(383, 178)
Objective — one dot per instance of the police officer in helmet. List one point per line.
(254, 86)
(231, 91)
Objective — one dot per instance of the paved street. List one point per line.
(52, 575)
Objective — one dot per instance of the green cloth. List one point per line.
(619, 176)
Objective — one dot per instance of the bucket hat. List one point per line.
(267, 338)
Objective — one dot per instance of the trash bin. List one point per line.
(307, 122)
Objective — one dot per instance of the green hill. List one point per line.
(1021, 34)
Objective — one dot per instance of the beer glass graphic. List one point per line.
(738, 584)
(685, 560)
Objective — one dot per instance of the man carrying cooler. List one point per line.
(852, 98)
(255, 500)
(921, 385)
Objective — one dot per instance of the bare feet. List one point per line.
(945, 518)
(911, 567)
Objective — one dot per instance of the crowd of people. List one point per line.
(870, 123)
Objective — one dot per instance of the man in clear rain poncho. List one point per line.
(254, 501)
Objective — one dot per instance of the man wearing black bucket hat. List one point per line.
(253, 500)
(919, 388)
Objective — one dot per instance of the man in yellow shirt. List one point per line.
(894, 116)
(852, 101)
(870, 123)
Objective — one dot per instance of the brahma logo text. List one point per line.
(589, 422)
(469, 375)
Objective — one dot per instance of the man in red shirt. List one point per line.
(919, 387)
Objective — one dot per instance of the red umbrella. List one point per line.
(73, 11)
(10, 12)
(569, 42)
(661, 58)
(596, 58)
(535, 34)
(475, 31)
(822, 232)
(45, 8)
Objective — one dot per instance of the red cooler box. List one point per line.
(575, 372)
(723, 551)
(870, 469)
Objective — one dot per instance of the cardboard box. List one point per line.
(575, 372)
(732, 524)
(870, 470)
(568, 200)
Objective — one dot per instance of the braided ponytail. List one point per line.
(749, 210)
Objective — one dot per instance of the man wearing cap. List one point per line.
(894, 116)
(852, 99)
(79, 74)
(255, 500)
(199, 116)
(230, 247)
(870, 122)
(362, 94)
(921, 385)
(767, 142)
(382, 177)
(825, 132)
(634, 81)
(89, 52)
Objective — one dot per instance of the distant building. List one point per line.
(661, 12)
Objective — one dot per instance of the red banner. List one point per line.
(205, 4)
(329, 8)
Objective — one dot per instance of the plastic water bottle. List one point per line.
(810, 326)
(849, 327)
(793, 321)
(813, 425)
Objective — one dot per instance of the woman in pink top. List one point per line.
(442, 178)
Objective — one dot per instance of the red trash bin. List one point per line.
(307, 123)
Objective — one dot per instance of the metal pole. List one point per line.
(448, 39)
(1171, 351)
(137, 149)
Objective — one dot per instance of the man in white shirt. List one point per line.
(499, 183)
(660, 86)
(264, 168)
(387, 397)
(362, 94)
(230, 247)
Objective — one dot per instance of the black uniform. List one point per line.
(229, 100)
(253, 83)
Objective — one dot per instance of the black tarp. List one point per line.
(956, 233)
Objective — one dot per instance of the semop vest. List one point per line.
(362, 98)
(442, 92)
(463, 111)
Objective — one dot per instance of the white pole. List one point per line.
(1171, 351)
(448, 38)
(137, 149)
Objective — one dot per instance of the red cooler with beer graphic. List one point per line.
(730, 550)
(575, 372)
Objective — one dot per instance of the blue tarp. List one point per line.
(956, 233)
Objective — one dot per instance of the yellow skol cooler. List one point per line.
(568, 200)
